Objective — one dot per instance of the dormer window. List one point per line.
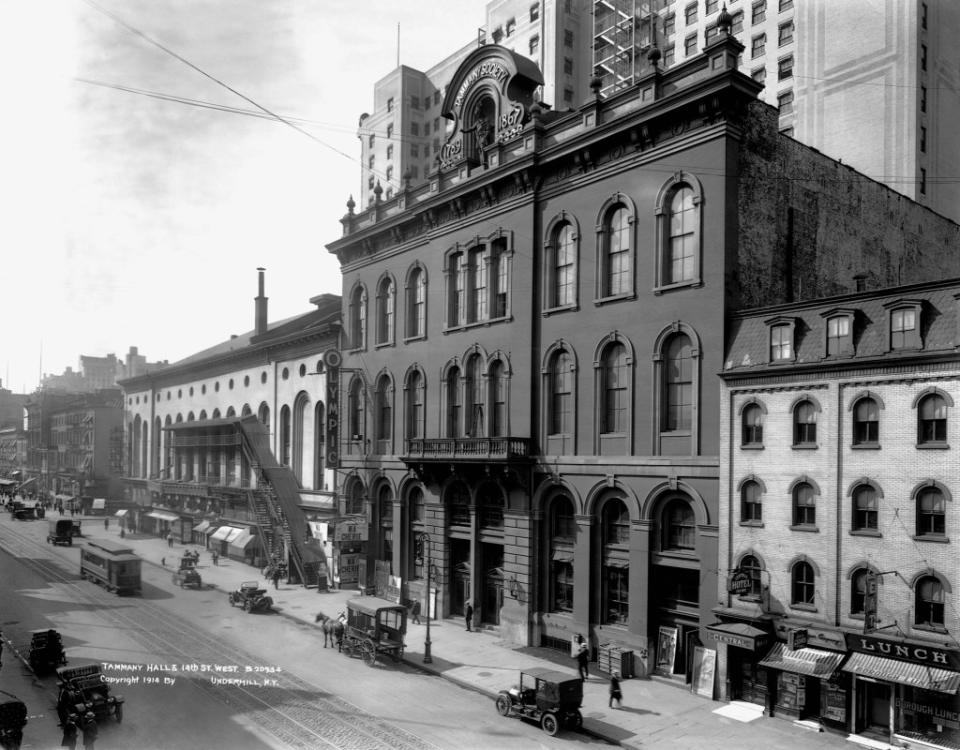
(781, 347)
(904, 324)
(839, 332)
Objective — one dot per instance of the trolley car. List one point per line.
(374, 626)
(112, 565)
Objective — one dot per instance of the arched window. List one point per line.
(928, 602)
(752, 426)
(385, 311)
(263, 414)
(615, 373)
(561, 286)
(478, 268)
(616, 253)
(491, 504)
(385, 517)
(358, 318)
(678, 232)
(298, 437)
(319, 446)
(678, 385)
(215, 414)
(285, 435)
(246, 411)
(417, 304)
(475, 426)
(415, 405)
(804, 505)
(932, 420)
(456, 290)
(231, 412)
(752, 567)
(751, 503)
(802, 584)
(681, 250)
(384, 425)
(931, 513)
(454, 403)
(498, 399)
(355, 498)
(355, 410)
(416, 505)
(615, 568)
(866, 422)
(562, 536)
(458, 502)
(560, 405)
(203, 415)
(865, 508)
(804, 424)
(679, 526)
(858, 591)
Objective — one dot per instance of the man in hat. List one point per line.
(69, 733)
(90, 730)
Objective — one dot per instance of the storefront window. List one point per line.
(929, 716)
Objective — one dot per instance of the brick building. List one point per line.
(839, 464)
(533, 340)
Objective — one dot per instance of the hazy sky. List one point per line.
(127, 219)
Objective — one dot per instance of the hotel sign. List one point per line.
(918, 653)
(739, 583)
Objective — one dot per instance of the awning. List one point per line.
(562, 555)
(99, 503)
(810, 661)
(906, 673)
(739, 634)
(614, 563)
(31, 480)
(226, 533)
(7, 482)
(243, 540)
(160, 515)
(202, 526)
(121, 513)
(211, 530)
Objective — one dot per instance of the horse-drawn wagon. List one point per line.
(374, 626)
(187, 574)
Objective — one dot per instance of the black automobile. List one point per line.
(251, 598)
(547, 696)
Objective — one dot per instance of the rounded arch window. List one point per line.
(750, 565)
(246, 381)
(180, 393)
(263, 376)
(679, 526)
(168, 395)
(191, 390)
(230, 384)
(616, 522)
(203, 389)
(216, 387)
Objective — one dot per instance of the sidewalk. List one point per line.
(656, 713)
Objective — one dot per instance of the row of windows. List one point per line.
(929, 500)
(758, 10)
(930, 409)
(928, 591)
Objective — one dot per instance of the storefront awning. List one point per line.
(740, 635)
(243, 540)
(562, 555)
(121, 513)
(202, 526)
(211, 530)
(809, 661)
(161, 516)
(99, 503)
(226, 533)
(906, 673)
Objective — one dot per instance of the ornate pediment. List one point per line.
(488, 100)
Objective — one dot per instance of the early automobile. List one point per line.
(84, 689)
(548, 696)
(61, 531)
(187, 574)
(13, 718)
(46, 651)
(251, 598)
(374, 626)
(23, 511)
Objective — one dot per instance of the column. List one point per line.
(583, 590)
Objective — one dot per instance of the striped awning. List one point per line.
(903, 672)
(810, 661)
(226, 533)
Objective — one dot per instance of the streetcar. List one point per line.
(112, 565)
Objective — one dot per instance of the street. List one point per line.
(196, 672)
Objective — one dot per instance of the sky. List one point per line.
(127, 219)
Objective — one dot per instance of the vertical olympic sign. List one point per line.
(332, 359)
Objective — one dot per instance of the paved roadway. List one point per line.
(294, 694)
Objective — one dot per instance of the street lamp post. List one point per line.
(424, 539)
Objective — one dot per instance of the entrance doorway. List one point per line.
(460, 562)
(492, 597)
(873, 707)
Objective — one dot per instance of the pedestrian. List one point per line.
(275, 577)
(122, 532)
(69, 733)
(583, 658)
(163, 561)
(89, 730)
(169, 538)
(106, 524)
(216, 557)
(415, 612)
(615, 694)
(468, 616)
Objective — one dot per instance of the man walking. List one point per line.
(583, 658)
(69, 734)
(468, 616)
(276, 577)
(90, 731)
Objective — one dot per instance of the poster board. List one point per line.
(666, 650)
(704, 671)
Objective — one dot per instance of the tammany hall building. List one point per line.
(533, 341)
(839, 482)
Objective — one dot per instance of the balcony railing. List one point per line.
(205, 441)
(467, 449)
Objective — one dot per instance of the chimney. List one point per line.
(861, 281)
(260, 324)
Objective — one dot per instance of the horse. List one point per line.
(332, 630)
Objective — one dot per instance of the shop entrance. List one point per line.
(873, 707)
(460, 562)
(492, 598)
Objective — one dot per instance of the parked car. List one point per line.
(251, 598)
(61, 532)
(83, 689)
(550, 697)
(46, 651)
